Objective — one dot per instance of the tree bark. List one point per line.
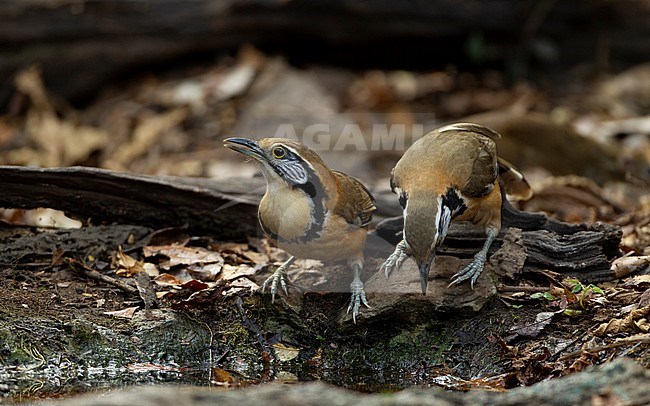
(221, 209)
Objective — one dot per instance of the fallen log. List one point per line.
(576, 250)
(227, 210)
(224, 209)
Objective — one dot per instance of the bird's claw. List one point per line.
(278, 277)
(393, 262)
(472, 271)
(358, 297)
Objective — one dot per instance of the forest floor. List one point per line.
(199, 316)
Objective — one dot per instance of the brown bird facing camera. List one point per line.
(450, 174)
(310, 210)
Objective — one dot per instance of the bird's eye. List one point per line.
(278, 152)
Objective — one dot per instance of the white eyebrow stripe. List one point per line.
(296, 153)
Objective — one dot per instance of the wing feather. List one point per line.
(358, 206)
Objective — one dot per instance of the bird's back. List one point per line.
(462, 156)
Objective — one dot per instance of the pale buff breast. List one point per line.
(286, 212)
(338, 240)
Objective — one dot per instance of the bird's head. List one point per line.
(285, 163)
(424, 230)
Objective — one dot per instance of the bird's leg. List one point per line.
(358, 294)
(474, 269)
(394, 261)
(279, 276)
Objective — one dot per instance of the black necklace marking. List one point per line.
(313, 188)
(454, 202)
(402, 200)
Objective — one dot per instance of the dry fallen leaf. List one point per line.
(165, 279)
(144, 136)
(206, 273)
(239, 285)
(54, 141)
(124, 313)
(285, 352)
(126, 265)
(231, 272)
(634, 322)
(629, 264)
(181, 255)
(223, 377)
(533, 329)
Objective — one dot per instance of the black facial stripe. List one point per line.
(402, 200)
(316, 191)
(313, 188)
(455, 203)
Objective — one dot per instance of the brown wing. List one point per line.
(358, 205)
(484, 170)
(472, 128)
(516, 185)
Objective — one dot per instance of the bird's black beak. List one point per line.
(245, 146)
(424, 275)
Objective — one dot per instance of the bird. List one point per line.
(312, 211)
(451, 173)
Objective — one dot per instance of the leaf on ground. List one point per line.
(231, 272)
(627, 265)
(285, 352)
(165, 279)
(634, 322)
(223, 377)
(205, 272)
(240, 285)
(181, 255)
(145, 135)
(195, 285)
(531, 330)
(573, 199)
(124, 313)
(644, 300)
(639, 280)
(239, 253)
(151, 269)
(54, 141)
(125, 264)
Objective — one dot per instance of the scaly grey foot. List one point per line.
(358, 294)
(358, 297)
(472, 271)
(395, 260)
(278, 277)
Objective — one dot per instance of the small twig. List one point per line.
(558, 352)
(250, 324)
(93, 274)
(222, 356)
(507, 288)
(641, 338)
